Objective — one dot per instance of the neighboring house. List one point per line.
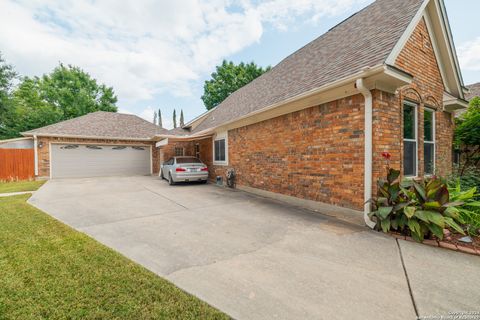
(17, 143)
(315, 125)
(473, 91)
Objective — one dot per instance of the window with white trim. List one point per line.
(410, 141)
(429, 141)
(220, 149)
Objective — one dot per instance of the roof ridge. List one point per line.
(53, 124)
(299, 49)
(365, 38)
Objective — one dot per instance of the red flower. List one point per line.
(386, 155)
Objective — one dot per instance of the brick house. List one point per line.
(386, 79)
(314, 126)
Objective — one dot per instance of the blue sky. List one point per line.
(157, 54)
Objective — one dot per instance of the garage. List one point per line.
(79, 160)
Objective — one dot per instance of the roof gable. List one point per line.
(434, 14)
(102, 124)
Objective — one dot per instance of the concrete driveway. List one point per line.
(255, 258)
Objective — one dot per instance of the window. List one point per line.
(429, 141)
(410, 155)
(178, 152)
(220, 150)
(70, 146)
(94, 147)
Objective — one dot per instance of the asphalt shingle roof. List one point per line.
(474, 91)
(103, 124)
(364, 39)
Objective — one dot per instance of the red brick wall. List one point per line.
(387, 133)
(317, 153)
(418, 59)
(44, 152)
(314, 154)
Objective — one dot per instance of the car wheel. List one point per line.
(170, 180)
(161, 174)
(204, 181)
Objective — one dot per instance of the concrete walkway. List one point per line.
(15, 193)
(255, 258)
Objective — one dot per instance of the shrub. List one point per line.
(419, 209)
(470, 210)
(468, 179)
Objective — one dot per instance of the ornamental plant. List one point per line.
(470, 210)
(417, 208)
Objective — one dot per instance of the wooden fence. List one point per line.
(17, 164)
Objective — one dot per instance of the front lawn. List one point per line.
(18, 186)
(50, 271)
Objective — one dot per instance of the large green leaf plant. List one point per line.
(417, 208)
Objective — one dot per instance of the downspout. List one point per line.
(35, 154)
(368, 165)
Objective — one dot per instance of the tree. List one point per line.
(67, 92)
(228, 78)
(30, 110)
(182, 123)
(75, 93)
(7, 75)
(160, 118)
(154, 117)
(174, 118)
(467, 135)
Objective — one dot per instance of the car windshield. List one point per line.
(188, 160)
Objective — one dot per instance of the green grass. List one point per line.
(18, 186)
(50, 271)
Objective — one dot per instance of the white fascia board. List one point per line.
(199, 118)
(398, 74)
(454, 104)
(365, 72)
(85, 137)
(392, 57)
(161, 143)
(16, 139)
(447, 34)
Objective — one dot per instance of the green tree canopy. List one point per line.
(7, 75)
(67, 92)
(467, 134)
(182, 120)
(174, 118)
(228, 78)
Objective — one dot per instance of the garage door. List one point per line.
(76, 161)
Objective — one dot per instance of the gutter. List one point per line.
(27, 134)
(365, 72)
(368, 164)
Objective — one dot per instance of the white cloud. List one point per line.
(143, 48)
(469, 55)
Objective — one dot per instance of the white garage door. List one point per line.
(76, 160)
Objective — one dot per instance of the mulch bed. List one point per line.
(452, 243)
